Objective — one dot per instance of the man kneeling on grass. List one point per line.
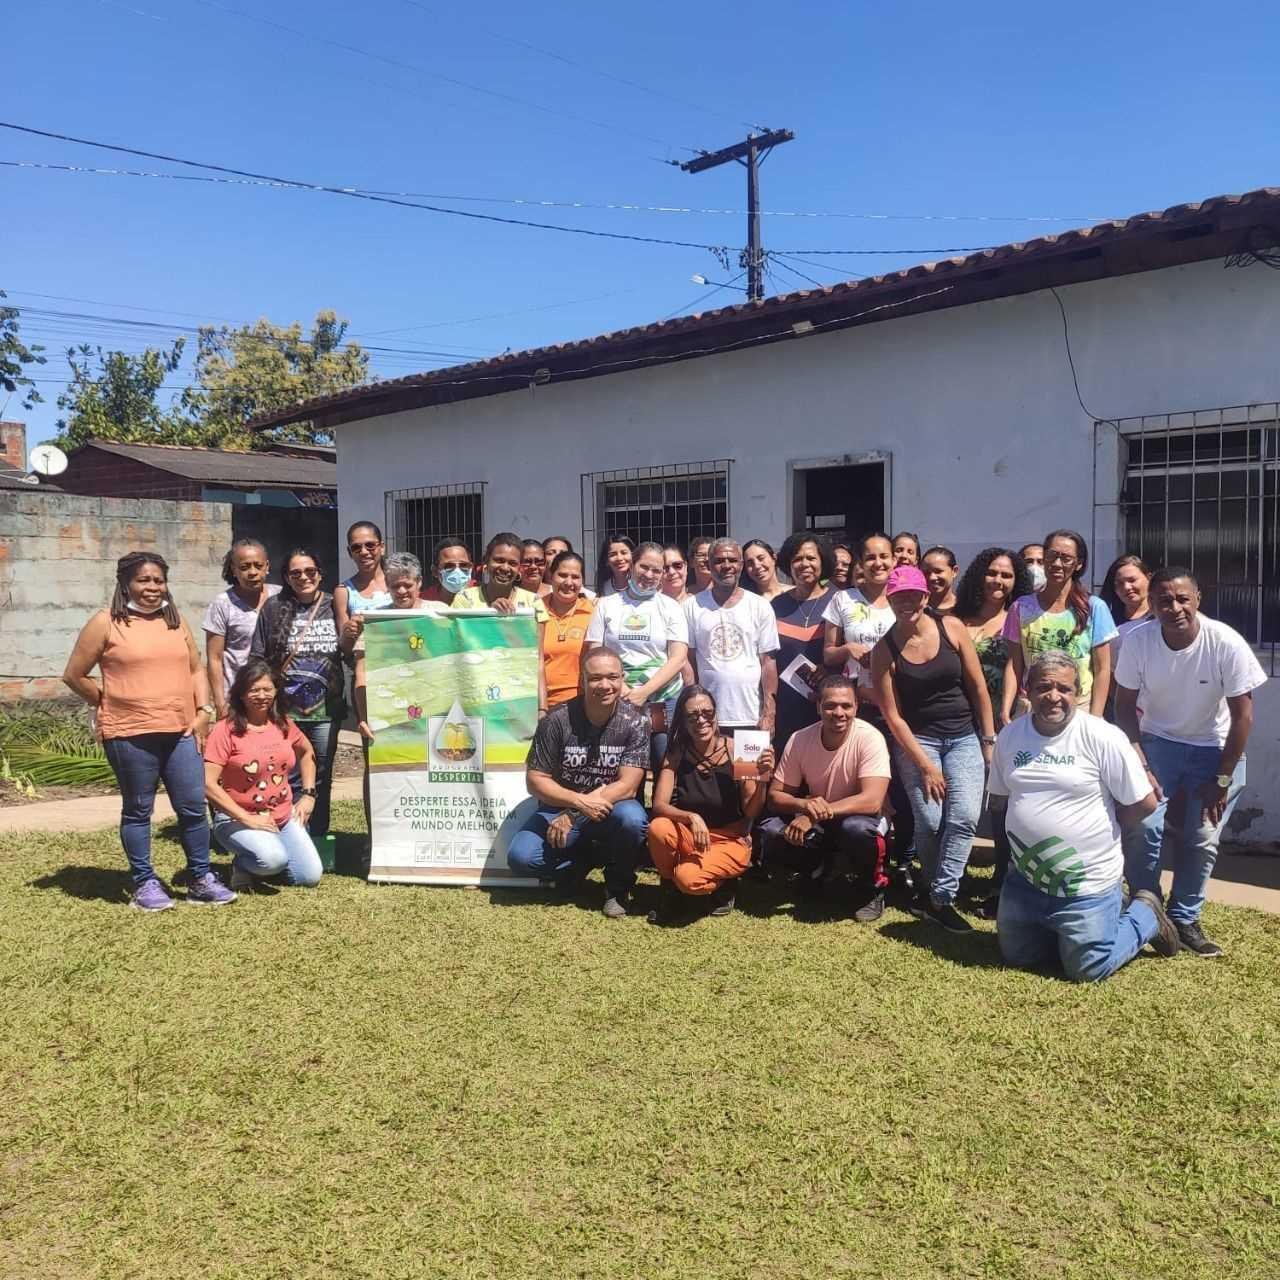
(829, 789)
(1071, 781)
(586, 766)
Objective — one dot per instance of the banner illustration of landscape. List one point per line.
(453, 703)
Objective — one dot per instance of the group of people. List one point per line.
(900, 697)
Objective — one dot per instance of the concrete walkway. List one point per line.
(93, 813)
(1239, 880)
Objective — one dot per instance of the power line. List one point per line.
(355, 194)
(596, 71)
(776, 261)
(129, 324)
(615, 206)
(435, 75)
(701, 298)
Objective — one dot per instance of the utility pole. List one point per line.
(750, 153)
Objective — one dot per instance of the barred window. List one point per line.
(1200, 490)
(418, 518)
(671, 503)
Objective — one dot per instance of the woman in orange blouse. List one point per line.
(153, 711)
(563, 617)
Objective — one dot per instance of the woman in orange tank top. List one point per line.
(153, 709)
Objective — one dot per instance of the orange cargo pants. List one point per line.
(671, 848)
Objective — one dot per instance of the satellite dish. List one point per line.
(48, 460)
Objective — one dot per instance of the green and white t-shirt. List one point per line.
(639, 631)
(1063, 792)
(860, 622)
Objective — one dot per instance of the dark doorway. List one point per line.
(843, 502)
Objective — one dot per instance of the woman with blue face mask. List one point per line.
(453, 571)
(647, 629)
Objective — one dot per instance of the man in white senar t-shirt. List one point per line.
(1194, 678)
(733, 636)
(1070, 782)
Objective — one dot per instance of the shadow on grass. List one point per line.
(91, 884)
(976, 950)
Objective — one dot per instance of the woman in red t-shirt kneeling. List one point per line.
(248, 758)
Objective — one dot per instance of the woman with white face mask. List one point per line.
(1032, 555)
(647, 629)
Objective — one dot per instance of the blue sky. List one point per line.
(980, 111)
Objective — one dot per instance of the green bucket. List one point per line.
(326, 847)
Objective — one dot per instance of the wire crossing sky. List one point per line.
(919, 133)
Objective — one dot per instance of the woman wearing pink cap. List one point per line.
(931, 692)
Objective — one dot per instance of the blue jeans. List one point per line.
(323, 736)
(658, 741)
(140, 763)
(944, 832)
(616, 844)
(1178, 766)
(1091, 935)
(266, 853)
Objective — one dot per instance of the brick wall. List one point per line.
(57, 565)
(13, 444)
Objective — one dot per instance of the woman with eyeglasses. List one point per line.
(1062, 615)
(700, 832)
(700, 563)
(367, 587)
(533, 567)
(675, 573)
(453, 571)
(297, 634)
(841, 566)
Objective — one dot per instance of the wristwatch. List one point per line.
(308, 791)
(208, 708)
(1224, 781)
(986, 741)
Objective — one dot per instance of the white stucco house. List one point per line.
(941, 399)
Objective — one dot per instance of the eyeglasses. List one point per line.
(303, 573)
(534, 564)
(363, 546)
(701, 715)
(1061, 557)
(674, 567)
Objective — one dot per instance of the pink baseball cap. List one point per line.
(906, 577)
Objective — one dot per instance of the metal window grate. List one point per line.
(671, 503)
(418, 518)
(1199, 489)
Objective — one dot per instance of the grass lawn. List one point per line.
(392, 1081)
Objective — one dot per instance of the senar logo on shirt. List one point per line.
(1050, 865)
(1043, 757)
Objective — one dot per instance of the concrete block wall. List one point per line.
(57, 565)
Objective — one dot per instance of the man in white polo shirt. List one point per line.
(1192, 679)
(1070, 782)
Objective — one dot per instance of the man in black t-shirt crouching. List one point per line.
(586, 766)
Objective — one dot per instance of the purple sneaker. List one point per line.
(208, 891)
(150, 896)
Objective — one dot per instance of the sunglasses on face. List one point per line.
(701, 715)
(304, 573)
(363, 546)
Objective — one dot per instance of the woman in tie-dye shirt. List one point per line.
(1062, 615)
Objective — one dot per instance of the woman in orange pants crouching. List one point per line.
(700, 832)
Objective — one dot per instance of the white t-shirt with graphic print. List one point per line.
(1063, 791)
(860, 622)
(639, 629)
(728, 644)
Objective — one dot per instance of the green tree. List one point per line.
(112, 395)
(245, 372)
(15, 355)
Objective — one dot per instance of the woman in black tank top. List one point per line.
(932, 693)
(699, 836)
